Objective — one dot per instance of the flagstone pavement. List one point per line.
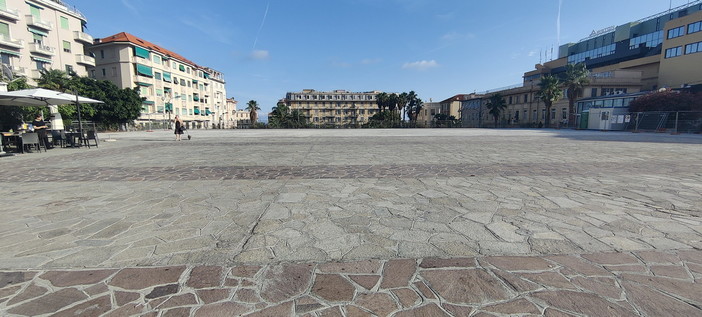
(425, 222)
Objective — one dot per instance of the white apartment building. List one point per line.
(240, 118)
(338, 108)
(42, 34)
(171, 84)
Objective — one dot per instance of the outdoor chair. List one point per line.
(32, 140)
(58, 137)
(92, 135)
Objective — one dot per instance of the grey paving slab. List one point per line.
(275, 197)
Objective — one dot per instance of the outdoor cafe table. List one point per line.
(73, 139)
(14, 138)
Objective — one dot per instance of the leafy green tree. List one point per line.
(414, 106)
(549, 92)
(252, 107)
(54, 79)
(120, 107)
(12, 116)
(577, 76)
(495, 105)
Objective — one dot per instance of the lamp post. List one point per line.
(168, 106)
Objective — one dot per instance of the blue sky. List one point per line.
(437, 48)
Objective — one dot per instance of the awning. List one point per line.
(207, 76)
(10, 52)
(143, 84)
(197, 111)
(181, 67)
(169, 106)
(37, 31)
(167, 76)
(147, 102)
(144, 70)
(44, 60)
(194, 81)
(208, 112)
(141, 52)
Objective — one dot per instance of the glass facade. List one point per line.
(694, 27)
(676, 32)
(598, 52)
(673, 52)
(650, 40)
(693, 48)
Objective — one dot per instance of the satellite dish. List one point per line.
(7, 72)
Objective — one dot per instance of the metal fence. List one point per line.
(666, 121)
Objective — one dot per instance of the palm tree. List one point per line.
(252, 107)
(402, 100)
(382, 100)
(577, 76)
(54, 79)
(279, 115)
(496, 104)
(549, 92)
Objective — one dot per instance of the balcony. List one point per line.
(85, 60)
(42, 49)
(36, 22)
(10, 14)
(20, 71)
(7, 41)
(82, 37)
(35, 73)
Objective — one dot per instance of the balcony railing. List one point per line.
(41, 49)
(21, 71)
(7, 41)
(35, 74)
(10, 14)
(85, 59)
(34, 21)
(82, 37)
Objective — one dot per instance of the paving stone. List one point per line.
(518, 263)
(407, 297)
(141, 278)
(366, 281)
(246, 295)
(333, 288)
(12, 278)
(282, 282)
(209, 296)
(188, 299)
(518, 306)
(284, 309)
(469, 286)
(306, 304)
(603, 286)
(355, 311)
(626, 268)
(225, 309)
(121, 298)
(424, 290)
(683, 289)
(694, 256)
(331, 312)
(51, 302)
(653, 303)
(550, 312)
(430, 310)
(516, 283)
(90, 308)
(248, 271)
(205, 276)
(432, 263)
(357, 267)
(611, 258)
(177, 312)
(128, 310)
(548, 279)
(379, 304)
(9, 291)
(160, 291)
(674, 271)
(31, 291)
(73, 278)
(578, 265)
(582, 303)
(458, 311)
(658, 257)
(397, 273)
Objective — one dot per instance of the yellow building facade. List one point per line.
(338, 108)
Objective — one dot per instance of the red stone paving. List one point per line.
(572, 285)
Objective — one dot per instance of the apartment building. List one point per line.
(659, 51)
(338, 108)
(240, 118)
(43, 34)
(171, 84)
(425, 118)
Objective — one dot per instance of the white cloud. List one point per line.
(369, 61)
(421, 65)
(259, 55)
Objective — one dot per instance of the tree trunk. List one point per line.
(571, 112)
(547, 120)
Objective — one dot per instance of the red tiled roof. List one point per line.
(126, 37)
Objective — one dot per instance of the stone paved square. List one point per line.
(441, 222)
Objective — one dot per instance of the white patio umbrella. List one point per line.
(43, 97)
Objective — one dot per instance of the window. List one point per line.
(182, 82)
(673, 52)
(553, 114)
(114, 71)
(593, 92)
(92, 73)
(35, 11)
(676, 32)
(694, 27)
(102, 54)
(510, 100)
(564, 113)
(526, 98)
(5, 30)
(104, 72)
(69, 69)
(64, 23)
(607, 91)
(693, 48)
(67, 46)
(38, 38)
(157, 75)
(157, 59)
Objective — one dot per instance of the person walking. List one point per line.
(178, 128)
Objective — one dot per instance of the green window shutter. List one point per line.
(64, 23)
(37, 31)
(197, 110)
(35, 11)
(181, 67)
(67, 46)
(5, 30)
(143, 53)
(167, 76)
(169, 106)
(157, 75)
(144, 70)
(3, 5)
